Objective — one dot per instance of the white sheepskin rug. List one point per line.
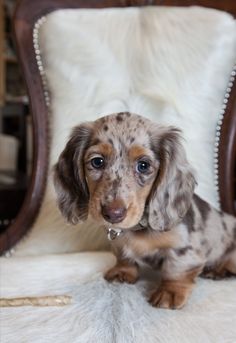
(171, 65)
(108, 313)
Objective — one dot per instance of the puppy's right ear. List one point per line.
(69, 179)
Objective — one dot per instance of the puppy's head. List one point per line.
(118, 166)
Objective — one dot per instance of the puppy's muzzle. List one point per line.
(114, 212)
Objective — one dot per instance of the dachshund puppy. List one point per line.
(132, 175)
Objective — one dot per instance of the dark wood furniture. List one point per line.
(27, 13)
(13, 186)
(14, 121)
(13, 189)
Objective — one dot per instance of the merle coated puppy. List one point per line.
(132, 175)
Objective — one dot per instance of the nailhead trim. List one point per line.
(218, 131)
(38, 57)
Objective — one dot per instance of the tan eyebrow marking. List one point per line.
(104, 149)
(138, 151)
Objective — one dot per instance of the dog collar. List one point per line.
(113, 233)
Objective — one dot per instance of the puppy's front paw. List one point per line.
(170, 295)
(118, 273)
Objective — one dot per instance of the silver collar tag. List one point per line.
(113, 233)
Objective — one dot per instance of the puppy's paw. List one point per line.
(127, 274)
(214, 275)
(170, 295)
(220, 272)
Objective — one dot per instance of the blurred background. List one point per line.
(15, 123)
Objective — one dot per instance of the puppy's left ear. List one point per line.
(173, 188)
(69, 178)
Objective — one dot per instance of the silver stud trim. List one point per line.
(38, 57)
(218, 132)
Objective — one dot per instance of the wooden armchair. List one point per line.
(27, 13)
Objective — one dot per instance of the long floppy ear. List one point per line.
(69, 179)
(173, 188)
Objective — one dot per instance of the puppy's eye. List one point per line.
(97, 162)
(143, 166)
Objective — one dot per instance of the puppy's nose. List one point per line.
(113, 213)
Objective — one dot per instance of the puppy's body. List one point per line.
(133, 175)
(206, 238)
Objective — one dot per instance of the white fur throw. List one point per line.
(107, 313)
(169, 64)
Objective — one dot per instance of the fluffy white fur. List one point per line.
(107, 313)
(169, 64)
